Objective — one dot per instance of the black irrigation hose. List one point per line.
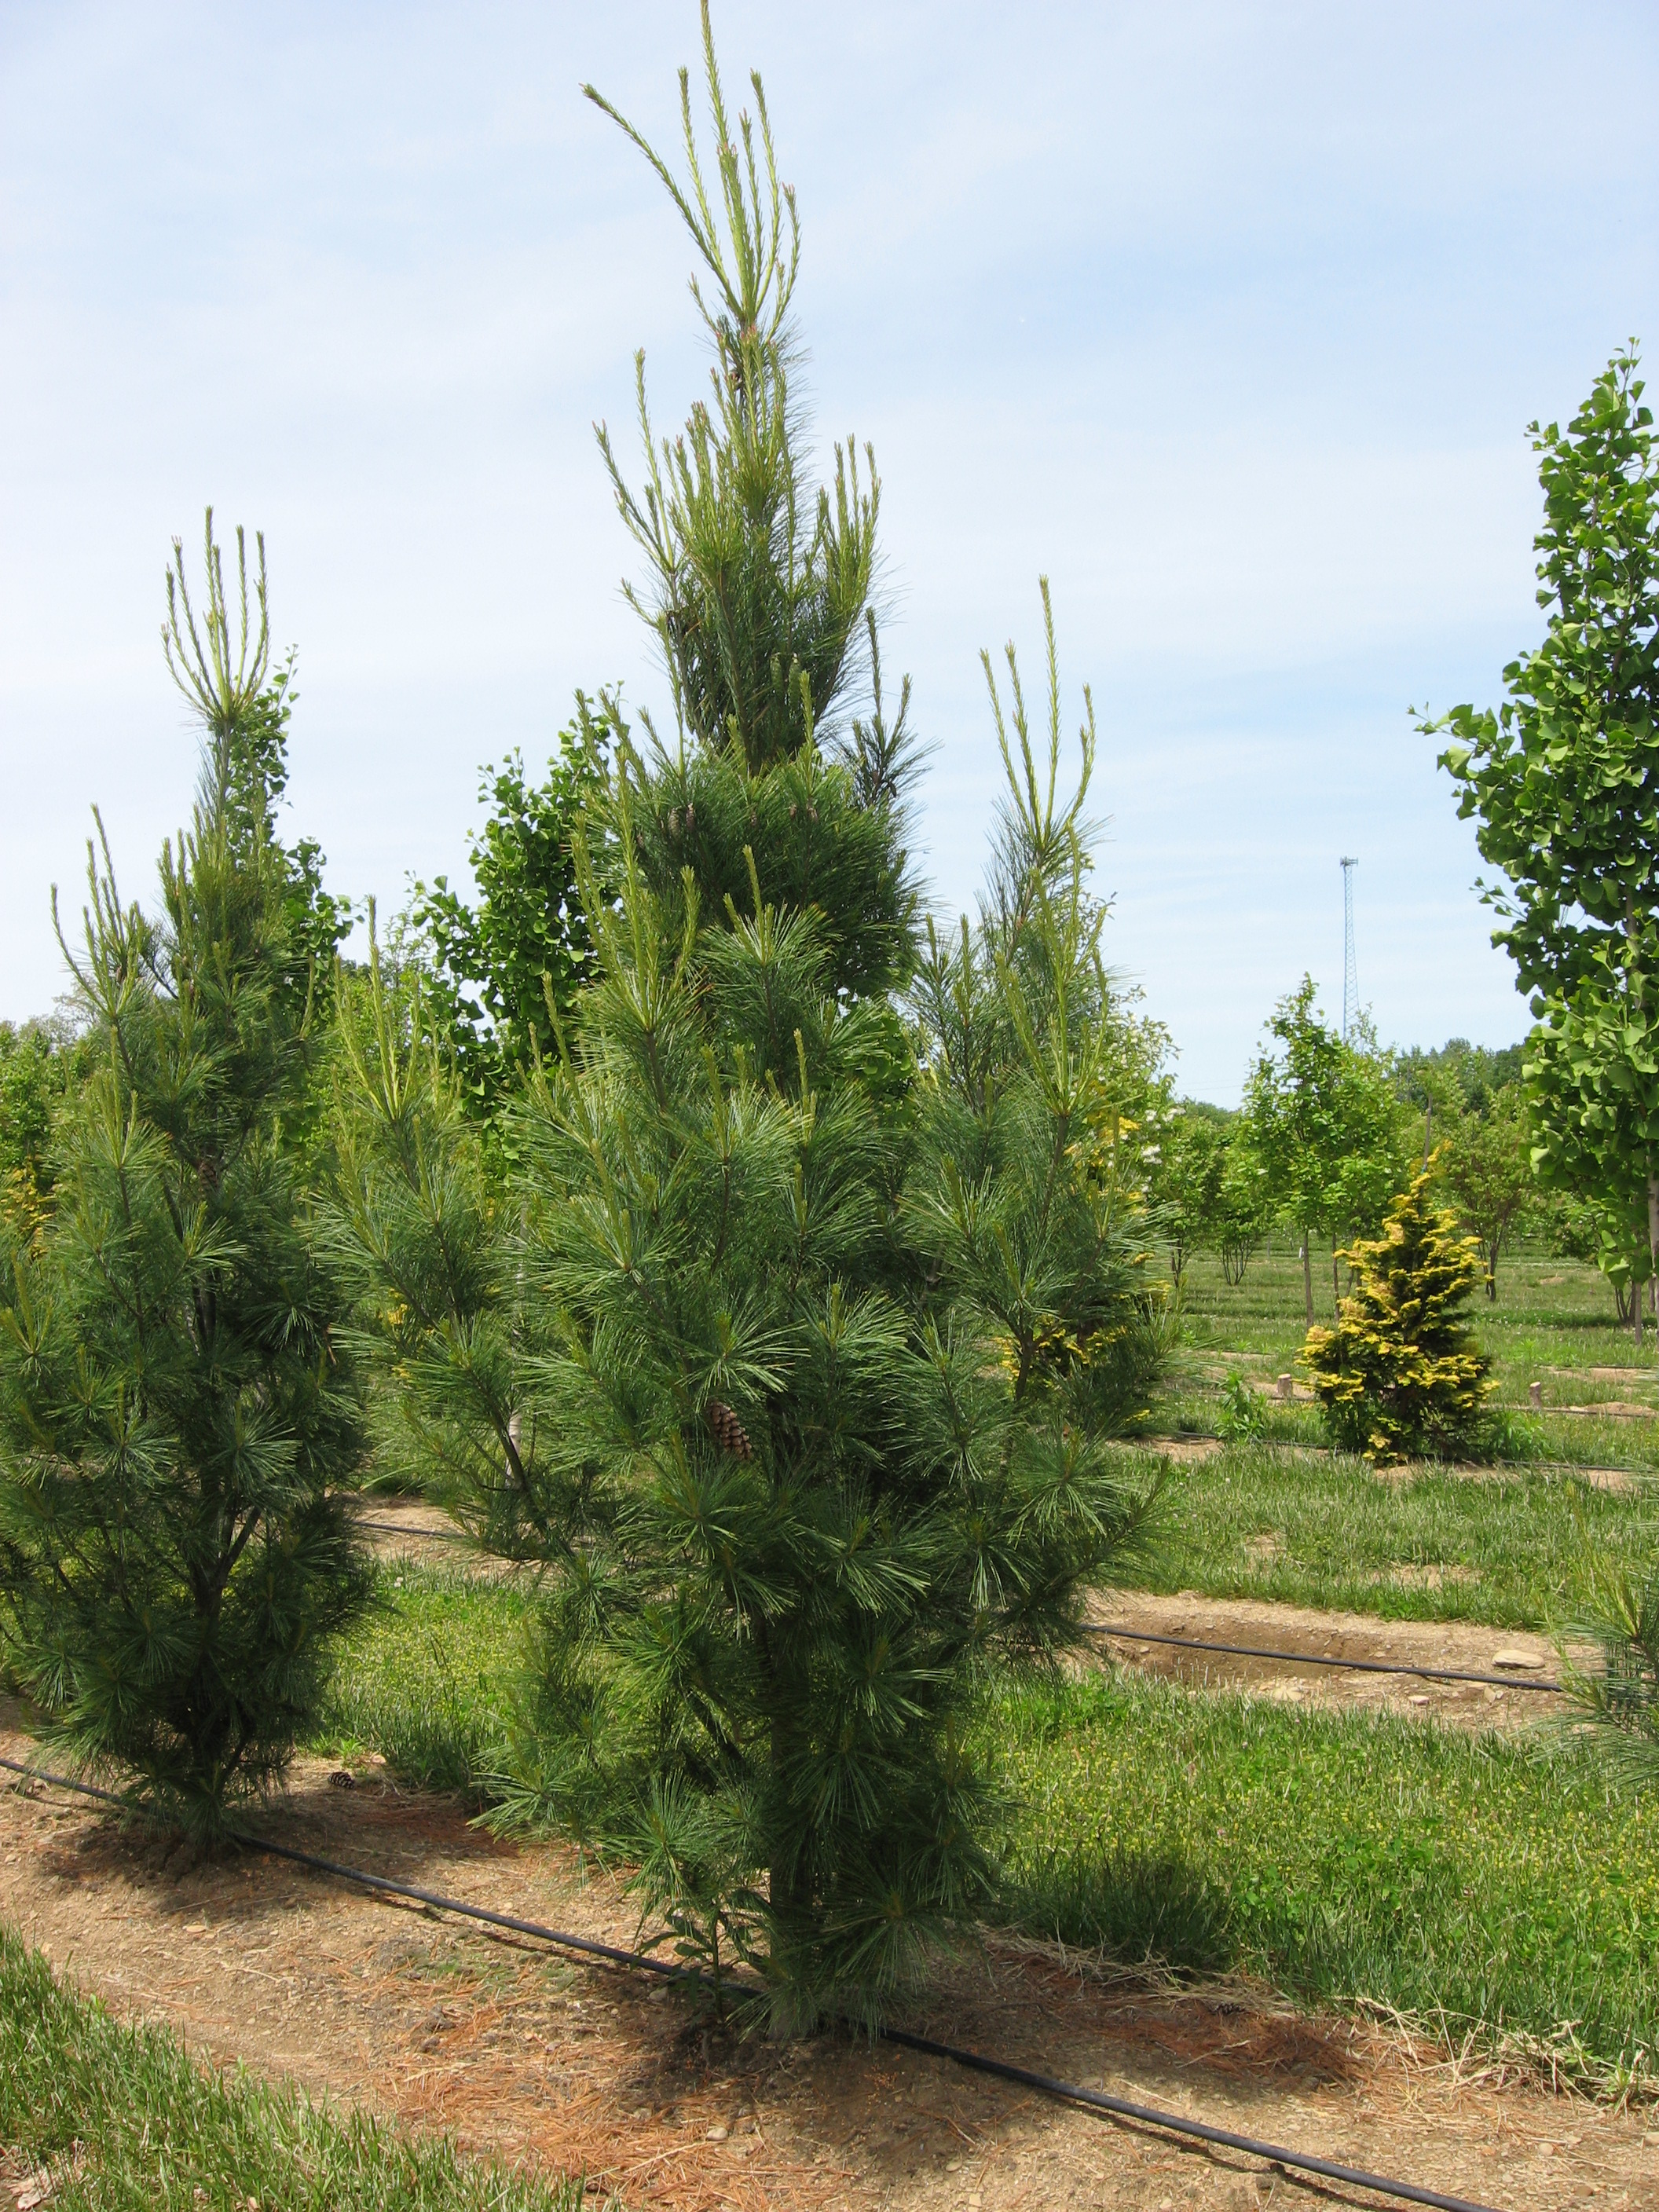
(1318, 1659)
(611, 1952)
(1185, 1642)
(1070, 2093)
(434, 1535)
(1123, 2108)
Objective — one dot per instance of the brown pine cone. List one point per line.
(728, 1430)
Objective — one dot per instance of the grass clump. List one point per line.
(120, 2117)
(428, 1680)
(1525, 1550)
(1470, 1882)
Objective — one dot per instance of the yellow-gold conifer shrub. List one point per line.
(1400, 1375)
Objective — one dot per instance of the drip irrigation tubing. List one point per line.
(1320, 1659)
(975, 2062)
(426, 1536)
(1516, 1682)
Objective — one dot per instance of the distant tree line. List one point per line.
(1331, 1130)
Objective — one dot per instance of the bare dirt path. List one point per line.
(409, 1528)
(1460, 1644)
(535, 2059)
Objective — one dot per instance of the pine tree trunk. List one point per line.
(790, 1892)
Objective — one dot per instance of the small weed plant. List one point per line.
(1243, 1416)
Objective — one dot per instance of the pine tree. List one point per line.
(178, 1418)
(1401, 1376)
(760, 592)
(1619, 1690)
(791, 1354)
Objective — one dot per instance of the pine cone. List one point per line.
(728, 1430)
(342, 1778)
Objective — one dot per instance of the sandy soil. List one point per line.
(1339, 1636)
(409, 1528)
(535, 2059)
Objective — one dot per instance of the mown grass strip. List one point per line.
(120, 2117)
(1475, 1882)
(427, 1680)
(1521, 1552)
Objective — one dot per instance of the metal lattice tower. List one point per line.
(1350, 972)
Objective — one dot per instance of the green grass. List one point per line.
(1512, 1890)
(1472, 1881)
(427, 1680)
(1554, 1322)
(122, 2119)
(1261, 1522)
(1308, 1526)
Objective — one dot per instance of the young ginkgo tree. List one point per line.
(1562, 783)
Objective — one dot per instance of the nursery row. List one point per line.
(1509, 1887)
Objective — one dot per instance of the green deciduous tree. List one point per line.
(1189, 1181)
(1208, 1188)
(1400, 1375)
(1563, 781)
(1593, 1082)
(42, 1064)
(1243, 1210)
(1321, 1120)
(1486, 1167)
(178, 1420)
(1473, 1073)
(493, 965)
(790, 1353)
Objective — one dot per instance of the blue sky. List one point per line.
(1228, 318)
